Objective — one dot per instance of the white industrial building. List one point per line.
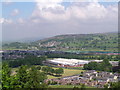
(68, 61)
(74, 62)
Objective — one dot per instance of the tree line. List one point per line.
(83, 56)
(28, 60)
(103, 66)
(52, 71)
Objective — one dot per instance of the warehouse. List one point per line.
(68, 62)
(73, 62)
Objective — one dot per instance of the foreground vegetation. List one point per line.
(26, 77)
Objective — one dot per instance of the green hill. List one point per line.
(71, 42)
(105, 41)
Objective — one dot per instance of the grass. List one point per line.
(79, 68)
(67, 86)
(67, 72)
(63, 86)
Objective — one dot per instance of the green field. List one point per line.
(67, 72)
(67, 86)
(63, 86)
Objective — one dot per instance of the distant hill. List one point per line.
(70, 42)
(23, 40)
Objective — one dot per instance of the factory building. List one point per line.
(68, 62)
(61, 62)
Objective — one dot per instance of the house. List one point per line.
(89, 78)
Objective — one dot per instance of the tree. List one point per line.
(28, 60)
(6, 80)
(106, 86)
(48, 70)
(38, 67)
(91, 66)
(59, 71)
(22, 77)
(25, 78)
(107, 66)
(44, 69)
(119, 64)
(52, 71)
(36, 78)
(104, 66)
(115, 85)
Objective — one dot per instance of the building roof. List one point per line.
(69, 61)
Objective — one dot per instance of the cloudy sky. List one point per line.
(43, 18)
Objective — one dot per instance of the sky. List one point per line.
(42, 18)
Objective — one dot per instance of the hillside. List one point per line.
(82, 42)
(105, 41)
